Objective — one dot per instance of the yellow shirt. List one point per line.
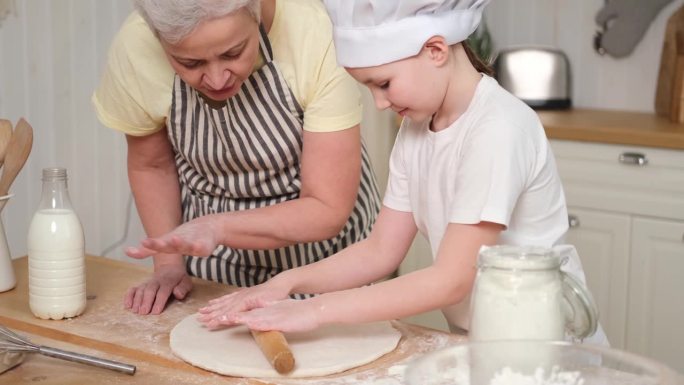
(134, 94)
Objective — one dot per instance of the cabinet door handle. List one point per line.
(573, 221)
(633, 158)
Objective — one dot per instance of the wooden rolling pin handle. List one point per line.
(275, 348)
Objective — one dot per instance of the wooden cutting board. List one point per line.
(39, 370)
(669, 101)
(117, 334)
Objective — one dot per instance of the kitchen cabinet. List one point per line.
(602, 239)
(626, 211)
(656, 309)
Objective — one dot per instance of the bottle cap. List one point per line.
(54, 173)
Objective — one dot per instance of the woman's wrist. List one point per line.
(164, 259)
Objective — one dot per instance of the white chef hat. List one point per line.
(368, 33)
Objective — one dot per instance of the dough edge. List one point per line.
(389, 343)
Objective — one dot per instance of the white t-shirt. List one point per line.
(493, 164)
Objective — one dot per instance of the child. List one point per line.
(471, 166)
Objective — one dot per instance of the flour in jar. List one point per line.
(507, 376)
(479, 367)
(517, 303)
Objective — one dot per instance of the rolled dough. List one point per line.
(327, 350)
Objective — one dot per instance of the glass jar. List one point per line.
(521, 293)
(56, 253)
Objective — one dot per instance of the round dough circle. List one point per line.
(326, 350)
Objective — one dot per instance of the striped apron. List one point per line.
(247, 155)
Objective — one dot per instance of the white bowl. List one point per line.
(536, 363)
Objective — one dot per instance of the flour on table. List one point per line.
(507, 376)
(327, 350)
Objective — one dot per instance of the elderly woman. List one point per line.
(244, 149)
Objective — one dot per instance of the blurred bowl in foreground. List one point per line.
(536, 363)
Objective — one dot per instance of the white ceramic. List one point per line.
(7, 278)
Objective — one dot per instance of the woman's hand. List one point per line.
(151, 296)
(287, 316)
(222, 310)
(197, 237)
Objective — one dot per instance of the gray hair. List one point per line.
(173, 20)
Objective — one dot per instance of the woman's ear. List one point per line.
(437, 50)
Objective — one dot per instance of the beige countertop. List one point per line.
(613, 127)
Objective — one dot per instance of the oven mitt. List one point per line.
(624, 23)
(8, 360)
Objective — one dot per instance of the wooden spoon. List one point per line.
(5, 134)
(18, 151)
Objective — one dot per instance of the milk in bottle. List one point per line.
(56, 253)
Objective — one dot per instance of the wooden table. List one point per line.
(107, 330)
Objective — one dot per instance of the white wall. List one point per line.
(51, 54)
(598, 81)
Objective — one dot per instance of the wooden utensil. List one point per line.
(5, 135)
(274, 346)
(676, 107)
(18, 151)
(669, 92)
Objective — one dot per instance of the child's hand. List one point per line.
(222, 310)
(287, 316)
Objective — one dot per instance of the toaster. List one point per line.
(538, 76)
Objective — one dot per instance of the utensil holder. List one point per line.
(7, 278)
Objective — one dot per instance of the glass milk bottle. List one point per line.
(521, 293)
(56, 253)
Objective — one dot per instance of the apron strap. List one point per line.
(265, 44)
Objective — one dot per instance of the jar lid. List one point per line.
(581, 311)
(518, 257)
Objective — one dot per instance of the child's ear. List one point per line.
(437, 49)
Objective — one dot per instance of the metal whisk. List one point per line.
(11, 342)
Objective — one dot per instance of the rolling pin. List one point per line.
(274, 346)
